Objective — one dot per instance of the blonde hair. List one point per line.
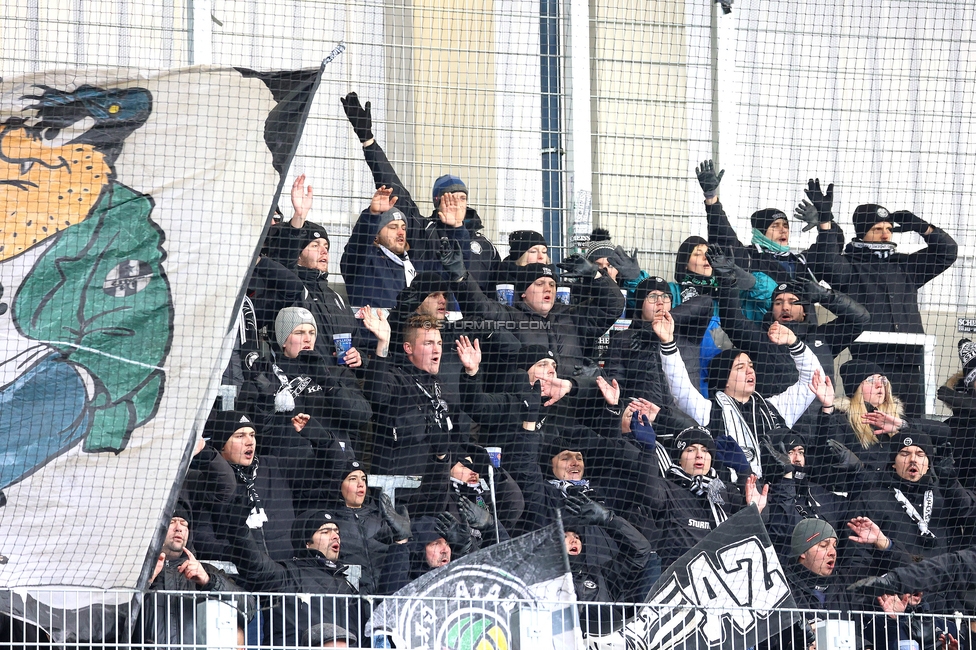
(857, 407)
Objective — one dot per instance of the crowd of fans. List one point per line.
(486, 377)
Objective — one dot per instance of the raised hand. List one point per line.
(664, 327)
(865, 531)
(753, 495)
(452, 258)
(361, 118)
(397, 519)
(780, 334)
(299, 421)
(469, 354)
(451, 210)
(382, 200)
(610, 391)
(375, 321)
(301, 198)
(823, 388)
(708, 179)
(626, 264)
(476, 516)
(588, 511)
(193, 570)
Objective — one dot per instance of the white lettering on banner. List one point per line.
(742, 578)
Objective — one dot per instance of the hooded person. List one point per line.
(427, 549)
(794, 492)
(692, 500)
(767, 255)
(693, 278)
(736, 409)
(886, 283)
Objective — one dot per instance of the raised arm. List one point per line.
(685, 394)
(792, 402)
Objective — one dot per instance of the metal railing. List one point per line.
(125, 619)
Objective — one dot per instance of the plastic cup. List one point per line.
(342, 342)
(505, 293)
(562, 294)
(495, 453)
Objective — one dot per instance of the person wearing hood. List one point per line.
(311, 415)
(869, 418)
(634, 358)
(768, 257)
(367, 526)
(959, 394)
(313, 572)
(414, 420)
(692, 500)
(391, 241)
(886, 282)
(794, 306)
(737, 411)
(262, 495)
(916, 516)
(693, 278)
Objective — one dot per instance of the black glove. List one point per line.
(728, 274)
(812, 292)
(398, 520)
(877, 586)
(476, 516)
(628, 268)
(806, 212)
(783, 459)
(577, 266)
(708, 179)
(642, 430)
(844, 458)
(822, 201)
(532, 402)
(360, 118)
(587, 511)
(456, 534)
(452, 259)
(908, 222)
(945, 467)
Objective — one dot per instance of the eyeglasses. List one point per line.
(658, 297)
(877, 379)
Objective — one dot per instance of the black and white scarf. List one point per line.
(882, 250)
(923, 519)
(707, 485)
(747, 434)
(248, 476)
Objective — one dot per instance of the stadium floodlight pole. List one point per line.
(494, 503)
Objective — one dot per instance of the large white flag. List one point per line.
(132, 203)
